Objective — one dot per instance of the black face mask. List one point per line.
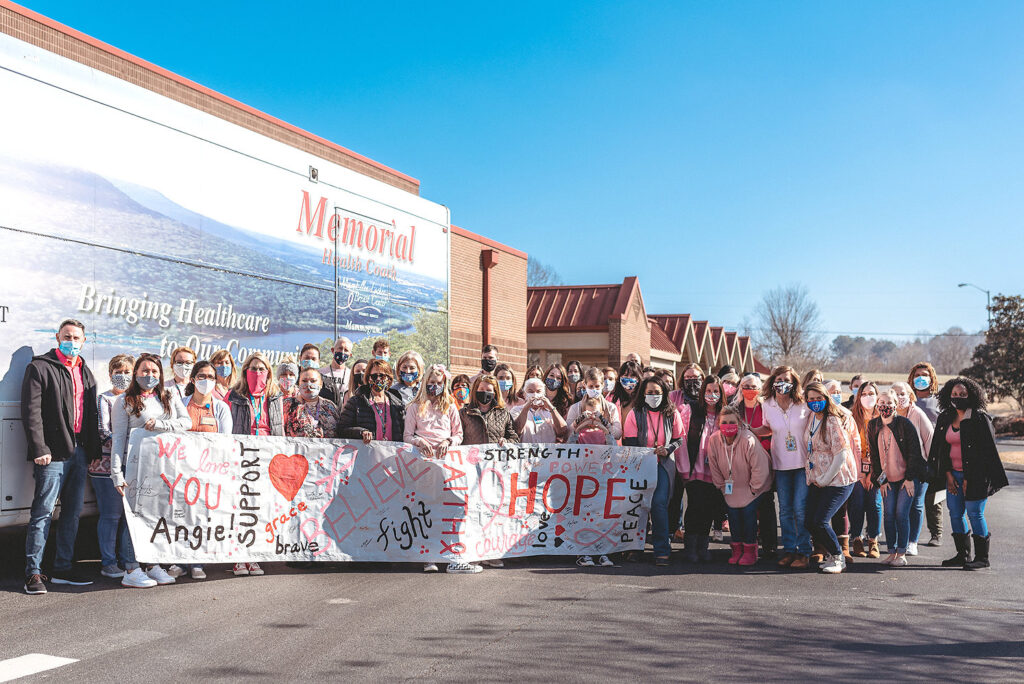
(960, 403)
(484, 398)
(357, 378)
(488, 364)
(340, 357)
(691, 387)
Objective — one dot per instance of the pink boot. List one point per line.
(737, 551)
(749, 554)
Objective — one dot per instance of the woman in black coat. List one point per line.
(375, 410)
(963, 457)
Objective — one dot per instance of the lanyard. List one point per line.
(785, 417)
(814, 431)
(257, 411)
(660, 426)
(383, 414)
(728, 452)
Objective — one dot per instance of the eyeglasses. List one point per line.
(378, 376)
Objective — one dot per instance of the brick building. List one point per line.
(601, 324)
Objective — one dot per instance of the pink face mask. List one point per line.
(729, 429)
(730, 390)
(868, 401)
(257, 381)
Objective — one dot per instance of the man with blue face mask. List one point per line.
(58, 392)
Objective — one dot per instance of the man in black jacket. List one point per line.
(59, 413)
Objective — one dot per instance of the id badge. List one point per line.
(790, 443)
(810, 465)
(865, 468)
(728, 487)
(208, 420)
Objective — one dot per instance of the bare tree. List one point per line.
(785, 325)
(539, 274)
(951, 351)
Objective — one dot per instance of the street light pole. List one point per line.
(988, 297)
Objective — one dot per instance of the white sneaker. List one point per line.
(585, 561)
(912, 549)
(605, 562)
(430, 567)
(899, 562)
(160, 575)
(494, 563)
(137, 579)
(240, 570)
(175, 571)
(198, 573)
(111, 571)
(833, 565)
(463, 569)
(254, 569)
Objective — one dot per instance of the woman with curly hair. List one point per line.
(963, 453)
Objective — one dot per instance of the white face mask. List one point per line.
(183, 370)
(868, 401)
(286, 382)
(205, 386)
(609, 386)
(593, 392)
(532, 396)
(903, 401)
(653, 400)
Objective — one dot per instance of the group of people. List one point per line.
(726, 445)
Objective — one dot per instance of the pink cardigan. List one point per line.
(751, 467)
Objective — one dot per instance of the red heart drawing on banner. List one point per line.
(287, 474)
(559, 529)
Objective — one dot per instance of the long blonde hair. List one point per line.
(423, 397)
(242, 386)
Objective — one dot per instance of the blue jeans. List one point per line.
(792, 488)
(960, 510)
(743, 522)
(659, 514)
(865, 503)
(822, 504)
(917, 510)
(58, 479)
(897, 505)
(112, 529)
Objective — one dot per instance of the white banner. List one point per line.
(199, 498)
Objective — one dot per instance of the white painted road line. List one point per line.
(30, 664)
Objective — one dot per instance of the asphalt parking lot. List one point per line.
(540, 619)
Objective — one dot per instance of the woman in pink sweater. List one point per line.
(741, 469)
(432, 424)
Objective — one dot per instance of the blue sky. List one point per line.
(716, 150)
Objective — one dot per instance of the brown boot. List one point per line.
(786, 560)
(873, 551)
(844, 544)
(858, 548)
(800, 562)
(818, 555)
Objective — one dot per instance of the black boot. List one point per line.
(963, 552)
(690, 548)
(702, 548)
(980, 553)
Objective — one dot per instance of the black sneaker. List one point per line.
(35, 584)
(70, 576)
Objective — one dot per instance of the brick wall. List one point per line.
(37, 30)
(508, 303)
(632, 333)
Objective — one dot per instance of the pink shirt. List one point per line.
(592, 436)
(955, 455)
(426, 425)
(789, 451)
(382, 414)
(74, 367)
(655, 430)
(893, 464)
(701, 467)
(260, 424)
